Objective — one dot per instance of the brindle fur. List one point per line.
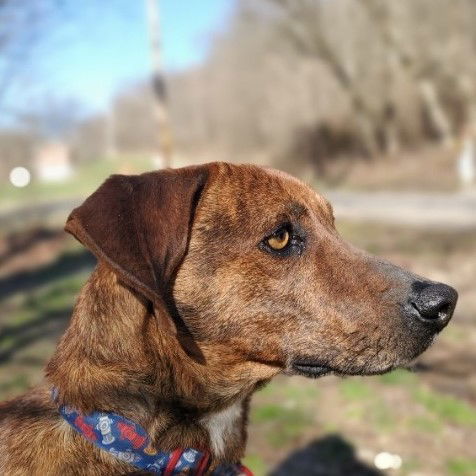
(185, 315)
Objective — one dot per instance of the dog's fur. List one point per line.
(186, 314)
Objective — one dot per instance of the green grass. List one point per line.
(87, 177)
(29, 331)
(290, 390)
(286, 423)
(446, 407)
(54, 301)
(353, 389)
(382, 418)
(398, 377)
(274, 413)
(52, 298)
(461, 466)
(357, 394)
(16, 384)
(424, 424)
(256, 464)
(410, 466)
(355, 412)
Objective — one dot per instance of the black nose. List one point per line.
(433, 303)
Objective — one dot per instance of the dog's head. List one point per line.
(247, 263)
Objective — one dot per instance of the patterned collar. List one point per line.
(128, 441)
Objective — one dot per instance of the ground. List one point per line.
(336, 426)
(329, 426)
(428, 169)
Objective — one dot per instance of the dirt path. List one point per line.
(444, 211)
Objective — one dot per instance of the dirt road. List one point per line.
(443, 211)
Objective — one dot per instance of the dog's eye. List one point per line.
(284, 241)
(279, 239)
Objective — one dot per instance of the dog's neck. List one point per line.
(113, 357)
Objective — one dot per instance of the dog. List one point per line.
(210, 280)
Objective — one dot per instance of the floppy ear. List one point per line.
(140, 225)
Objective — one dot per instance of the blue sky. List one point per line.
(96, 47)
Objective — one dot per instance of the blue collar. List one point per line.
(128, 441)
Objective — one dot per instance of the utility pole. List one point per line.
(164, 133)
(110, 133)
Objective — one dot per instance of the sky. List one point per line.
(96, 47)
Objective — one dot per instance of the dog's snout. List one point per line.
(433, 303)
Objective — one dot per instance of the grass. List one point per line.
(291, 392)
(398, 377)
(382, 418)
(31, 324)
(256, 464)
(286, 423)
(449, 408)
(410, 466)
(52, 298)
(425, 424)
(391, 412)
(17, 383)
(355, 389)
(87, 177)
(461, 466)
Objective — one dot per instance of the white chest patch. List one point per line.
(222, 424)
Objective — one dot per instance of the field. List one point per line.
(327, 427)
(331, 426)
(337, 426)
(86, 178)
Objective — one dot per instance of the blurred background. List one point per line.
(372, 102)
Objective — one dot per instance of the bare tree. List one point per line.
(422, 69)
(357, 75)
(302, 23)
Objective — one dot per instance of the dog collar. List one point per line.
(128, 441)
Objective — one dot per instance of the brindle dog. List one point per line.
(210, 281)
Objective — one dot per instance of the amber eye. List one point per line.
(279, 240)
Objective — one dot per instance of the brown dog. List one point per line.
(210, 281)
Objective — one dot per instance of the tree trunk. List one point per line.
(436, 114)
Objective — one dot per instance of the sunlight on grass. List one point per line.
(410, 466)
(461, 466)
(256, 464)
(354, 389)
(31, 330)
(286, 423)
(17, 383)
(449, 408)
(293, 390)
(425, 424)
(87, 177)
(382, 418)
(52, 298)
(398, 377)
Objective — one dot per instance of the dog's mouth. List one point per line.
(311, 369)
(315, 369)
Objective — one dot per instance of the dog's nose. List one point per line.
(433, 303)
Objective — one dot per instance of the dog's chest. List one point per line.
(222, 426)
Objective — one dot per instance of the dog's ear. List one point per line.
(140, 225)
